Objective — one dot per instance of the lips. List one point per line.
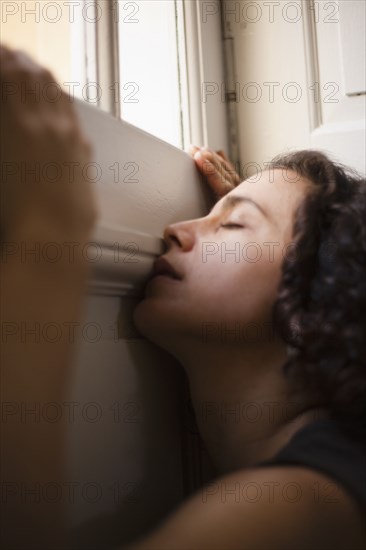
(163, 267)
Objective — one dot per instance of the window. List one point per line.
(69, 38)
(153, 63)
(151, 78)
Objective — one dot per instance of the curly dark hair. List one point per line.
(320, 311)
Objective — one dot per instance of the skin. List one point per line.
(37, 292)
(226, 374)
(188, 318)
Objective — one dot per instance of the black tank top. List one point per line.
(335, 448)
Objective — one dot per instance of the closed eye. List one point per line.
(232, 226)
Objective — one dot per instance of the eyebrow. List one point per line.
(232, 200)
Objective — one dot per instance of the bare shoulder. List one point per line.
(276, 507)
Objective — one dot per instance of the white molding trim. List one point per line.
(122, 261)
(312, 62)
(101, 55)
(107, 56)
(90, 45)
(194, 72)
(166, 188)
(200, 58)
(337, 124)
(344, 127)
(205, 64)
(332, 137)
(231, 79)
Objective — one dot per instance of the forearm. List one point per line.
(35, 371)
(38, 293)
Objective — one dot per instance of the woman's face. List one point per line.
(230, 266)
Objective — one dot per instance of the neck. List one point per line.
(244, 408)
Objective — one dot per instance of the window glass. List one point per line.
(150, 74)
(62, 36)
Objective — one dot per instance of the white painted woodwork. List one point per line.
(209, 58)
(319, 47)
(135, 458)
(343, 128)
(269, 58)
(352, 17)
(143, 184)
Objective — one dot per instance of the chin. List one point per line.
(164, 323)
(152, 321)
(142, 318)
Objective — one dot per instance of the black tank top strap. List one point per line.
(335, 448)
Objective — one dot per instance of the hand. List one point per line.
(57, 206)
(42, 155)
(217, 169)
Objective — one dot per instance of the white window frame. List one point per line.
(163, 170)
(338, 135)
(206, 120)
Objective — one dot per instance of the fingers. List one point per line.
(216, 177)
(216, 167)
(40, 130)
(229, 167)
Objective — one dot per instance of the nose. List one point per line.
(181, 234)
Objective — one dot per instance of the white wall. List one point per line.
(298, 50)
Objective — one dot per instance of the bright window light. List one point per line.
(152, 71)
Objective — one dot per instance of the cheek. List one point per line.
(217, 289)
(231, 287)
